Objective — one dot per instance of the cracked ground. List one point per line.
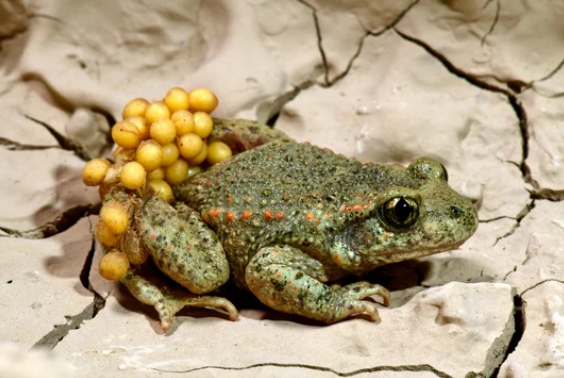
(477, 85)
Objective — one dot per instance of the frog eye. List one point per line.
(400, 212)
(445, 173)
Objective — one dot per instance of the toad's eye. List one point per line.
(400, 212)
(445, 173)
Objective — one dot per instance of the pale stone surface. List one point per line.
(365, 89)
(454, 318)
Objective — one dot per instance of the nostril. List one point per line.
(456, 211)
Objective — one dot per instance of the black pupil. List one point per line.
(403, 210)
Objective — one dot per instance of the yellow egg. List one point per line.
(126, 134)
(133, 175)
(141, 123)
(162, 188)
(156, 110)
(115, 216)
(149, 154)
(190, 145)
(184, 122)
(135, 107)
(163, 131)
(194, 171)
(176, 99)
(113, 265)
(177, 172)
(201, 156)
(105, 235)
(203, 124)
(218, 151)
(170, 154)
(202, 100)
(157, 174)
(94, 171)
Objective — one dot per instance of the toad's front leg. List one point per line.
(288, 280)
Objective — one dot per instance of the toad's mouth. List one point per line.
(402, 255)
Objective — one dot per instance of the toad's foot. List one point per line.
(167, 304)
(288, 280)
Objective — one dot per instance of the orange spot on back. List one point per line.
(366, 207)
(279, 215)
(327, 214)
(289, 282)
(338, 258)
(246, 214)
(347, 208)
(189, 249)
(267, 215)
(169, 248)
(216, 212)
(361, 196)
(357, 207)
(286, 197)
(153, 236)
(229, 199)
(274, 251)
(278, 275)
(387, 235)
(309, 216)
(229, 216)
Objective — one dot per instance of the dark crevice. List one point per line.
(319, 40)
(497, 218)
(516, 105)
(400, 368)
(281, 101)
(16, 146)
(494, 23)
(369, 33)
(60, 224)
(59, 332)
(530, 206)
(65, 143)
(540, 283)
(519, 321)
(548, 194)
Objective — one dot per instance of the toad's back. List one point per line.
(285, 193)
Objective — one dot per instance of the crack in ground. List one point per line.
(60, 224)
(11, 145)
(528, 208)
(64, 142)
(281, 101)
(516, 105)
(319, 39)
(60, 331)
(519, 324)
(399, 368)
(495, 21)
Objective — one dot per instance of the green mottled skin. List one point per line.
(286, 218)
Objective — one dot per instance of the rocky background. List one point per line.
(476, 84)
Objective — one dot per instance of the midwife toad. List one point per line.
(283, 219)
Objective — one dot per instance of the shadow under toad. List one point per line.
(402, 279)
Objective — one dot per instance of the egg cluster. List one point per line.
(160, 144)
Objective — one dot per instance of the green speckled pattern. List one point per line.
(286, 218)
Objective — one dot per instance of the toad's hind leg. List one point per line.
(182, 246)
(147, 290)
(288, 280)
